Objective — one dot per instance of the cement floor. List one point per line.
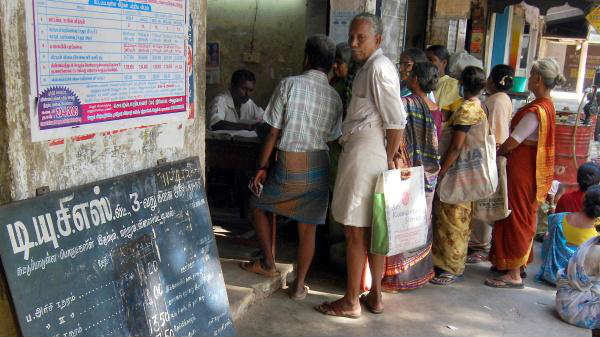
(468, 308)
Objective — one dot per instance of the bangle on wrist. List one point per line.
(262, 168)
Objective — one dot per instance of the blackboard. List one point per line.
(133, 255)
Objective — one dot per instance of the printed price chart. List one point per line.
(107, 60)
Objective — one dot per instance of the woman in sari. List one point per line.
(408, 59)
(566, 231)
(451, 231)
(498, 108)
(414, 269)
(578, 295)
(530, 170)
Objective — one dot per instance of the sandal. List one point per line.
(445, 278)
(500, 283)
(334, 309)
(299, 297)
(257, 267)
(495, 270)
(476, 257)
(363, 299)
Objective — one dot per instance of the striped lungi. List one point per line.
(297, 187)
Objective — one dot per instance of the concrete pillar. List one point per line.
(64, 163)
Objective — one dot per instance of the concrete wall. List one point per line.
(279, 35)
(25, 166)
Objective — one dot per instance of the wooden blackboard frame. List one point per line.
(130, 255)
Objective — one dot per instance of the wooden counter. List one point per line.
(230, 163)
(236, 153)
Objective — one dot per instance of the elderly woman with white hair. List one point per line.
(530, 170)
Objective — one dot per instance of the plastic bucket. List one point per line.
(565, 170)
(520, 84)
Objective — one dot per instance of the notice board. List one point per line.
(98, 65)
(130, 256)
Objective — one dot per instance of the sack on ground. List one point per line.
(474, 175)
(399, 213)
(495, 207)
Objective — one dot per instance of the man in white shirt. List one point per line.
(234, 109)
(373, 141)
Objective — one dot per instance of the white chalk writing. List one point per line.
(96, 212)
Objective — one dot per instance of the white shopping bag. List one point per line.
(495, 207)
(399, 213)
(474, 175)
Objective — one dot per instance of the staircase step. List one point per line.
(245, 289)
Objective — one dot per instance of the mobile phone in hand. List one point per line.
(256, 193)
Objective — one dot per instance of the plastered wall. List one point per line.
(73, 161)
(63, 163)
(279, 35)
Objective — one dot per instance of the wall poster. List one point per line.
(339, 24)
(213, 63)
(101, 65)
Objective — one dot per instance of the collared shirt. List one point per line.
(375, 97)
(307, 110)
(222, 108)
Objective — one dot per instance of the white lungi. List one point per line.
(362, 160)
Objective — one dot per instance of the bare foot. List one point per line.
(340, 308)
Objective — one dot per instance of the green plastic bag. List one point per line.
(379, 233)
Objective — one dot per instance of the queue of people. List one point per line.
(371, 117)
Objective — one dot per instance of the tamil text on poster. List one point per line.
(106, 64)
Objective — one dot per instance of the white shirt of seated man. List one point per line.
(223, 108)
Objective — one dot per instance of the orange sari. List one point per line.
(530, 170)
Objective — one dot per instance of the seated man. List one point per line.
(233, 109)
